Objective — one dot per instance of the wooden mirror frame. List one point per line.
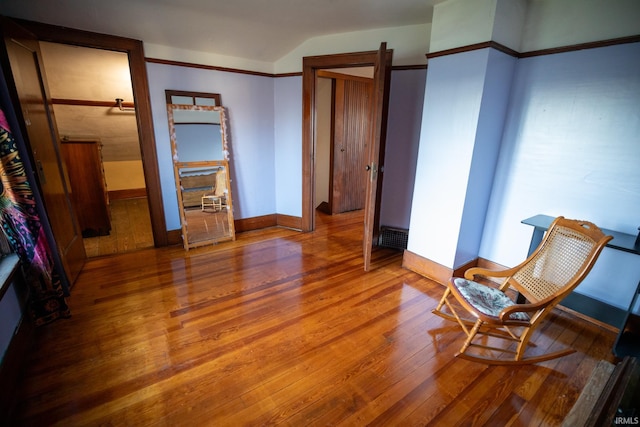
(179, 166)
(170, 93)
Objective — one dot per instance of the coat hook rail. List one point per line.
(122, 107)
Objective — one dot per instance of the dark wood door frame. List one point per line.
(310, 67)
(41, 153)
(140, 84)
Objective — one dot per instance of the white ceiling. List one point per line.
(263, 30)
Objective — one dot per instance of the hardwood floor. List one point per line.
(130, 229)
(282, 327)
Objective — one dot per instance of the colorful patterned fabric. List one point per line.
(21, 225)
(487, 300)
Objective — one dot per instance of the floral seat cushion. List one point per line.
(487, 300)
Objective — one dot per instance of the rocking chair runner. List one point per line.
(564, 258)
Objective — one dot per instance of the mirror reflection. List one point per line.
(201, 166)
(198, 133)
(205, 203)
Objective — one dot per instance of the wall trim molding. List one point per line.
(409, 67)
(288, 221)
(459, 272)
(174, 237)
(206, 67)
(541, 52)
(425, 267)
(266, 221)
(472, 47)
(440, 273)
(255, 223)
(257, 73)
(582, 46)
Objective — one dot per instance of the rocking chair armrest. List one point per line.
(529, 307)
(479, 271)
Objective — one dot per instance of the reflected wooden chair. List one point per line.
(217, 199)
(498, 328)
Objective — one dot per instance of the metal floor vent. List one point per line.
(390, 237)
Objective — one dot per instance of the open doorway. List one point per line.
(92, 98)
(138, 73)
(343, 111)
(360, 64)
(380, 60)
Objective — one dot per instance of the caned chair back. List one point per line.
(562, 260)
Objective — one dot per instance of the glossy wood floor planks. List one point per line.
(283, 328)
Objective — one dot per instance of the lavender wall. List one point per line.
(287, 105)
(571, 147)
(500, 70)
(452, 103)
(250, 103)
(265, 116)
(401, 151)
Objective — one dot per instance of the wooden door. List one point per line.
(83, 160)
(352, 131)
(39, 130)
(381, 80)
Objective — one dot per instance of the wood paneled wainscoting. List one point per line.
(283, 327)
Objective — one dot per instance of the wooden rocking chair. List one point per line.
(562, 260)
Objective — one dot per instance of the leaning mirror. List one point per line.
(200, 150)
